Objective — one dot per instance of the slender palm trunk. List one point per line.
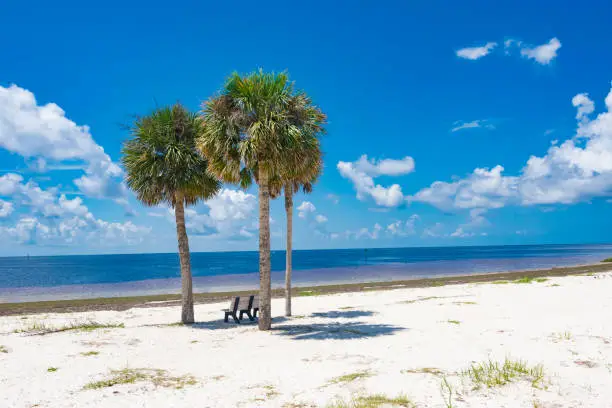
(265, 291)
(289, 211)
(187, 315)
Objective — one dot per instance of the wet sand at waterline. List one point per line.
(399, 344)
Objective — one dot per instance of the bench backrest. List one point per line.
(234, 304)
(244, 303)
(255, 304)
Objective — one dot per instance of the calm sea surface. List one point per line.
(71, 277)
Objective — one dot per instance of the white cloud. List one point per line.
(6, 208)
(10, 184)
(577, 169)
(305, 209)
(544, 53)
(43, 133)
(585, 106)
(366, 233)
(384, 167)
(459, 125)
(403, 228)
(460, 233)
(230, 215)
(320, 218)
(474, 53)
(362, 172)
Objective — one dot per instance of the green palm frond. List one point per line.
(161, 159)
(259, 121)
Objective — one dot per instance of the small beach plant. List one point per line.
(164, 168)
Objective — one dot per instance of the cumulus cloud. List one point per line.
(483, 123)
(305, 209)
(42, 133)
(231, 214)
(363, 171)
(50, 218)
(577, 169)
(320, 218)
(6, 208)
(403, 228)
(474, 53)
(542, 54)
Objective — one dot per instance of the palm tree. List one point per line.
(303, 173)
(248, 135)
(164, 167)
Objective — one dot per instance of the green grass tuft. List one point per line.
(374, 401)
(500, 282)
(159, 378)
(465, 303)
(493, 374)
(607, 260)
(454, 322)
(51, 369)
(424, 370)
(309, 293)
(3, 349)
(41, 328)
(90, 353)
(351, 377)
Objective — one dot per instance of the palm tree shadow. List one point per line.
(221, 325)
(347, 314)
(337, 331)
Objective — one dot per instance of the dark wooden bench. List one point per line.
(241, 306)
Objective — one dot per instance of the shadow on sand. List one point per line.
(347, 314)
(339, 331)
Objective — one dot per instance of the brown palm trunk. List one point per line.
(289, 211)
(187, 314)
(265, 318)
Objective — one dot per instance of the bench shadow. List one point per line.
(347, 314)
(221, 325)
(326, 331)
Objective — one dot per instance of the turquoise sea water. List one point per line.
(64, 277)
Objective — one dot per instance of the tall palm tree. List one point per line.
(164, 167)
(248, 136)
(303, 173)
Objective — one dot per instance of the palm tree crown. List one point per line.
(161, 160)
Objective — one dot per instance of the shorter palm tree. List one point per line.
(164, 167)
(305, 164)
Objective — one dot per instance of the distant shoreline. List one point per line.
(123, 303)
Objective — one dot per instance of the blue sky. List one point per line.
(427, 102)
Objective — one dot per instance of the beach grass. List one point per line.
(350, 377)
(373, 401)
(447, 392)
(158, 377)
(607, 260)
(51, 369)
(424, 370)
(492, 374)
(90, 353)
(3, 349)
(457, 322)
(41, 328)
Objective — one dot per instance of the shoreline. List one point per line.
(124, 303)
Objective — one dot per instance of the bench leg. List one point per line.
(248, 313)
(236, 318)
(241, 314)
(226, 316)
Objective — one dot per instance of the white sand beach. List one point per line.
(393, 342)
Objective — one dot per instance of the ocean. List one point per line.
(87, 276)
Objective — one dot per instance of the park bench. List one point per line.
(242, 305)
